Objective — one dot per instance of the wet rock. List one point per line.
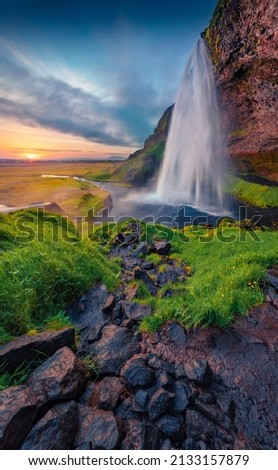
(109, 304)
(181, 397)
(163, 247)
(56, 430)
(141, 275)
(107, 393)
(98, 428)
(171, 426)
(136, 312)
(62, 377)
(18, 408)
(141, 436)
(115, 347)
(199, 372)
(29, 347)
(176, 334)
(137, 374)
(167, 276)
(161, 402)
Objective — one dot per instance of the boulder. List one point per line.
(176, 334)
(161, 402)
(140, 401)
(56, 430)
(141, 275)
(136, 312)
(163, 247)
(137, 374)
(199, 372)
(29, 347)
(272, 275)
(126, 409)
(107, 394)
(192, 444)
(18, 409)
(98, 428)
(181, 397)
(141, 436)
(115, 347)
(91, 319)
(62, 377)
(147, 265)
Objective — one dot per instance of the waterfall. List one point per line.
(194, 161)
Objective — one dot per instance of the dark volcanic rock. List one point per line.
(181, 396)
(126, 410)
(107, 393)
(141, 275)
(62, 377)
(170, 275)
(163, 247)
(98, 428)
(171, 426)
(136, 312)
(176, 334)
(114, 348)
(191, 444)
(18, 408)
(161, 402)
(199, 372)
(56, 430)
(28, 347)
(91, 319)
(137, 374)
(142, 249)
(141, 436)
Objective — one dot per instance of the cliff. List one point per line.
(242, 40)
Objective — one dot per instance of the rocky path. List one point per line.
(175, 389)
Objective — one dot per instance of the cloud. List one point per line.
(52, 103)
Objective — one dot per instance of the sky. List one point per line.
(87, 78)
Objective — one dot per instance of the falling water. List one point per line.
(193, 166)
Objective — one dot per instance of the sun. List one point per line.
(31, 156)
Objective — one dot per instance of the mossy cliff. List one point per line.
(241, 38)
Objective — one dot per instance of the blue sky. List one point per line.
(90, 78)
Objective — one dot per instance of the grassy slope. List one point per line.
(40, 276)
(226, 265)
(251, 193)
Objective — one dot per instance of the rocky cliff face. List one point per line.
(242, 40)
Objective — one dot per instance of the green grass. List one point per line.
(39, 276)
(256, 194)
(225, 278)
